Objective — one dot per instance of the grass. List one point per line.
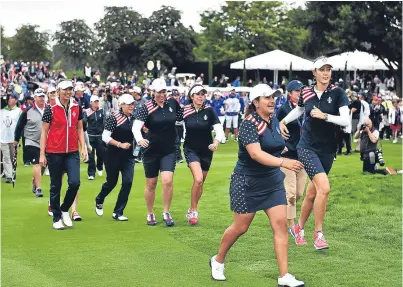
(363, 226)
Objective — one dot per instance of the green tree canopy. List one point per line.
(371, 26)
(29, 44)
(117, 43)
(75, 40)
(5, 44)
(246, 28)
(167, 39)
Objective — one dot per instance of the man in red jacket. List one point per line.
(62, 131)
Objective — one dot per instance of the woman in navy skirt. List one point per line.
(257, 182)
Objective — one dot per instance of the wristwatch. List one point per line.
(326, 117)
(118, 145)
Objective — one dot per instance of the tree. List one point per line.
(75, 39)
(245, 28)
(5, 44)
(374, 27)
(242, 29)
(120, 35)
(167, 39)
(28, 44)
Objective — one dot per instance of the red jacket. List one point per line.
(63, 135)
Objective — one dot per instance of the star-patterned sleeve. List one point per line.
(142, 114)
(248, 133)
(179, 110)
(110, 124)
(301, 101)
(47, 114)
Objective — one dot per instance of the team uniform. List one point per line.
(160, 154)
(199, 125)
(118, 127)
(94, 121)
(219, 107)
(318, 144)
(255, 186)
(62, 154)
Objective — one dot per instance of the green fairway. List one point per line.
(363, 227)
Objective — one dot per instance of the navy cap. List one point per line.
(14, 95)
(295, 85)
(175, 92)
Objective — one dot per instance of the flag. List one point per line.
(14, 162)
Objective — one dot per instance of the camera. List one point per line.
(363, 127)
(379, 157)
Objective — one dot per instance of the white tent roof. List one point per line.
(274, 60)
(357, 60)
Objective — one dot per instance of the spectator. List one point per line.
(395, 120)
(237, 82)
(87, 72)
(215, 82)
(9, 116)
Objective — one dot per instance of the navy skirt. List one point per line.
(251, 193)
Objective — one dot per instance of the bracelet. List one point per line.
(118, 144)
(282, 161)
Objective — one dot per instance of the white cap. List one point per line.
(126, 99)
(320, 62)
(79, 87)
(158, 85)
(135, 89)
(64, 85)
(388, 98)
(264, 90)
(197, 89)
(51, 89)
(94, 98)
(39, 93)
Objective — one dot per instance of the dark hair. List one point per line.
(250, 108)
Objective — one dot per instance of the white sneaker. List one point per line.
(217, 269)
(119, 218)
(99, 209)
(100, 172)
(387, 139)
(289, 280)
(58, 225)
(47, 172)
(66, 219)
(91, 177)
(395, 141)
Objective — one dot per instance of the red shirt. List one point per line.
(63, 130)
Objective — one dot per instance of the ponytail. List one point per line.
(250, 108)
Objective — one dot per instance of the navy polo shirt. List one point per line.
(294, 129)
(198, 124)
(319, 135)
(256, 130)
(120, 126)
(161, 124)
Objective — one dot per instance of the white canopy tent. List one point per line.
(274, 60)
(357, 60)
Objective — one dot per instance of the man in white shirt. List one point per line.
(9, 116)
(87, 72)
(233, 106)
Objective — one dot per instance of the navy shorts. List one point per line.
(204, 160)
(315, 163)
(32, 154)
(154, 163)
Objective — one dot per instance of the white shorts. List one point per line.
(222, 120)
(231, 121)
